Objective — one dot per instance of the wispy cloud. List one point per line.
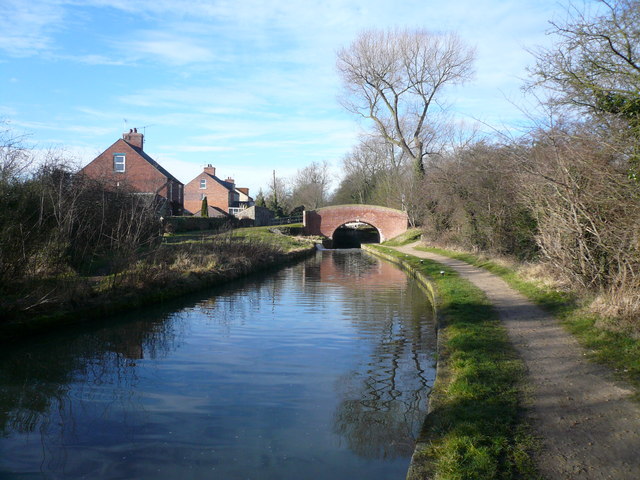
(86, 130)
(220, 97)
(26, 28)
(167, 47)
(196, 148)
(92, 59)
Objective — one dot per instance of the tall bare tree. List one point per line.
(396, 77)
(376, 172)
(311, 186)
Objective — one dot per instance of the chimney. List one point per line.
(210, 170)
(230, 180)
(134, 138)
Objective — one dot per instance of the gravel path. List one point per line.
(589, 427)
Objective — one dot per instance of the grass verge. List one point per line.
(410, 236)
(476, 427)
(616, 350)
(282, 236)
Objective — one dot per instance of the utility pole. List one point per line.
(275, 191)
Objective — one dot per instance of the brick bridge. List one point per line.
(324, 221)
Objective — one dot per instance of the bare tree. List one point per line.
(594, 67)
(311, 186)
(369, 165)
(14, 157)
(595, 64)
(395, 78)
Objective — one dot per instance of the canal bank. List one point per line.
(182, 267)
(476, 426)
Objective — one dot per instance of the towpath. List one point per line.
(587, 423)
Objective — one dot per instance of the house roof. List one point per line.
(245, 191)
(155, 164)
(214, 212)
(217, 212)
(227, 185)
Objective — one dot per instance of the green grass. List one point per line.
(616, 350)
(410, 236)
(476, 428)
(266, 235)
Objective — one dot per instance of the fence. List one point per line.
(286, 220)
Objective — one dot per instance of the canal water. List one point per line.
(318, 371)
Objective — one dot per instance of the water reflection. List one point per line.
(323, 366)
(34, 377)
(383, 399)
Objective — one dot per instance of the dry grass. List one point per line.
(540, 274)
(165, 271)
(618, 311)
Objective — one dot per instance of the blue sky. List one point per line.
(248, 86)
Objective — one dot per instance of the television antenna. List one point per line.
(144, 129)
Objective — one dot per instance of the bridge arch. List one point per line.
(325, 221)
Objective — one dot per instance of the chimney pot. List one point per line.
(134, 138)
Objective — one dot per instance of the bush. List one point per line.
(55, 221)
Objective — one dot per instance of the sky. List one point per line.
(249, 86)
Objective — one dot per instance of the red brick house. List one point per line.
(126, 165)
(221, 194)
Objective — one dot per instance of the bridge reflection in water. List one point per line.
(319, 371)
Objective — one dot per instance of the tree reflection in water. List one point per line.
(84, 399)
(384, 401)
(35, 377)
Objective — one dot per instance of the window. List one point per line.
(203, 183)
(118, 162)
(203, 196)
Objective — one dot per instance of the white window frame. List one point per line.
(119, 160)
(203, 183)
